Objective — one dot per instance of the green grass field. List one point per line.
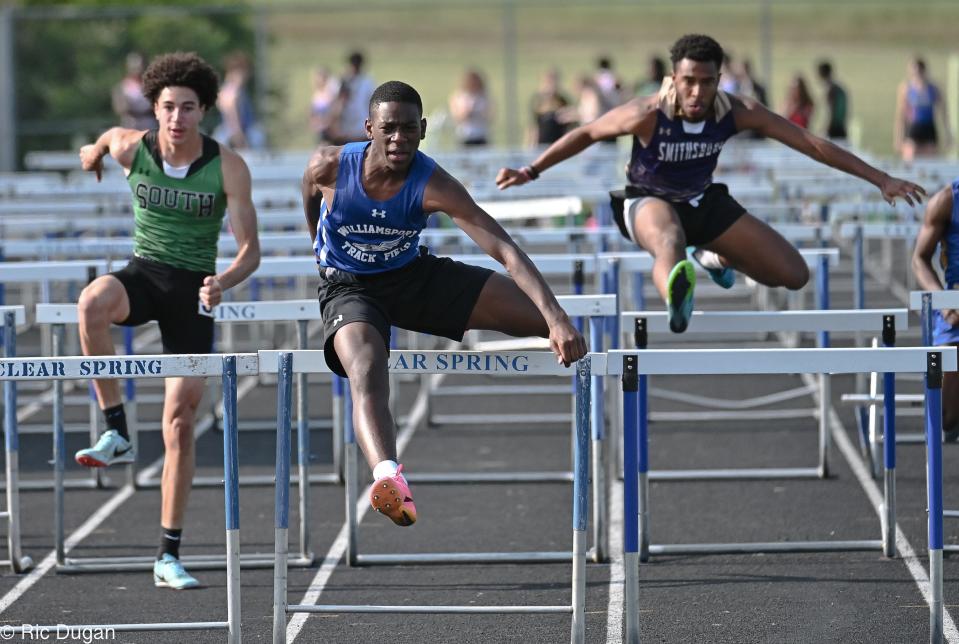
(429, 44)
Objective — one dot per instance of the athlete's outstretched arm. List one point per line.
(120, 143)
(751, 115)
(239, 200)
(628, 118)
(446, 194)
(320, 173)
(933, 231)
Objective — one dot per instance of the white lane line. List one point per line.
(617, 572)
(913, 562)
(76, 537)
(98, 517)
(336, 551)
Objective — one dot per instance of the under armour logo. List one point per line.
(339, 318)
(665, 131)
(379, 213)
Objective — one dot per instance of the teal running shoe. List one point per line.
(722, 275)
(680, 286)
(111, 448)
(168, 572)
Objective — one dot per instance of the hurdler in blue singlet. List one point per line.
(358, 234)
(943, 333)
(678, 162)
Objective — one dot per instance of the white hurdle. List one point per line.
(629, 365)
(116, 367)
(433, 362)
(300, 311)
(18, 562)
(713, 323)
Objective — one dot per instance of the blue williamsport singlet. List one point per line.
(679, 161)
(357, 234)
(949, 259)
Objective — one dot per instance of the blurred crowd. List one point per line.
(338, 102)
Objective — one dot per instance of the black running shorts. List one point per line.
(171, 296)
(715, 212)
(434, 295)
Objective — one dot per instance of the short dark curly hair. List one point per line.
(181, 69)
(395, 92)
(698, 47)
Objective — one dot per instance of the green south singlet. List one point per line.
(178, 221)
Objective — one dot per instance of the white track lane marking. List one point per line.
(337, 550)
(98, 517)
(908, 555)
(617, 571)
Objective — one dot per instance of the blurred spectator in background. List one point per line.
(353, 103)
(471, 110)
(654, 79)
(589, 100)
(748, 85)
(917, 103)
(799, 104)
(239, 128)
(728, 81)
(837, 102)
(129, 103)
(590, 104)
(609, 85)
(552, 114)
(326, 88)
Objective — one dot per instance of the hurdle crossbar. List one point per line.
(114, 367)
(631, 364)
(431, 362)
(714, 323)
(299, 310)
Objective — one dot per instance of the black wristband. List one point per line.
(533, 172)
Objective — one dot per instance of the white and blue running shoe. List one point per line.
(168, 572)
(111, 448)
(722, 275)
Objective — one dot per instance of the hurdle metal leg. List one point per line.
(338, 447)
(934, 493)
(599, 463)
(231, 498)
(282, 496)
(634, 508)
(18, 562)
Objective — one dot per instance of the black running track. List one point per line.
(822, 597)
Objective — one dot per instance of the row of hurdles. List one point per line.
(631, 366)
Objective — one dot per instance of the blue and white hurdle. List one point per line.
(737, 322)
(43, 274)
(597, 308)
(300, 311)
(433, 362)
(926, 302)
(18, 562)
(117, 367)
(629, 365)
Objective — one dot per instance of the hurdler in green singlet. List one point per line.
(178, 221)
